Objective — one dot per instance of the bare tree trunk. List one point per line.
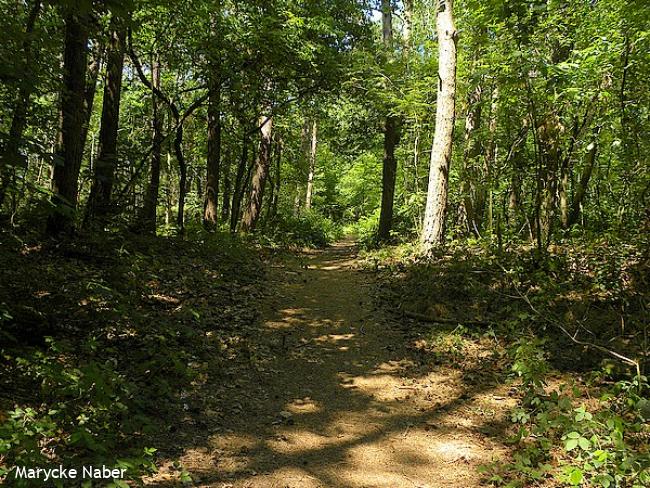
(106, 163)
(278, 180)
(408, 24)
(225, 199)
(472, 150)
(169, 190)
(436, 207)
(491, 158)
(66, 169)
(11, 157)
(312, 166)
(549, 137)
(94, 67)
(391, 139)
(581, 190)
(151, 199)
(238, 188)
(210, 212)
(252, 214)
(182, 181)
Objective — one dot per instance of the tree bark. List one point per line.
(312, 166)
(472, 150)
(436, 207)
(66, 170)
(210, 212)
(581, 190)
(549, 139)
(106, 163)
(252, 214)
(278, 180)
(182, 180)
(149, 209)
(225, 199)
(94, 66)
(11, 157)
(238, 188)
(391, 139)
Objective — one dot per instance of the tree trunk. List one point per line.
(238, 188)
(472, 150)
(182, 181)
(94, 66)
(106, 163)
(549, 138)
(225, 199)
(491, 151)
(66, 169)
(312, 166)
(436, 207)
(391, 139)
(151, 200)
(278, 180)
(252, 214)
(389, 173)
(581, 190)
(210, 212)
(11, 157)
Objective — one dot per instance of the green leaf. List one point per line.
(571, 444)
(575, 478)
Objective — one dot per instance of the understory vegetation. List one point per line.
(568, 332)
(92, 346)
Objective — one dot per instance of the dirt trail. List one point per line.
(339, 400)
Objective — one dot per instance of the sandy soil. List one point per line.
(332, 395)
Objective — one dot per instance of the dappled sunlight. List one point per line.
(333, 338)
(343, 402)
(304, 405)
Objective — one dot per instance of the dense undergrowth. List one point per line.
(96, 331)
(568, 330)
(307, 229)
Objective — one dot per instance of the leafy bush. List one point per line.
(602, 446)
(309, 229)
(366, 231)
(82, 404)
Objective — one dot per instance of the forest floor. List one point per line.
(333, 392)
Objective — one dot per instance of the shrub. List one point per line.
(309, 229)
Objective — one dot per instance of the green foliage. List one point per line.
(601, 448)
(308, 229)
(84, 412)
(366, 231)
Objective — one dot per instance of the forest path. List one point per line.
(333, 396)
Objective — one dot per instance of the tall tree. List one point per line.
(68, 162)
(100, 193)
(312, 165)
(148, 215)
(391, 139)
(210, 213)
(261, 171)
(436, 206)
(11, 156)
